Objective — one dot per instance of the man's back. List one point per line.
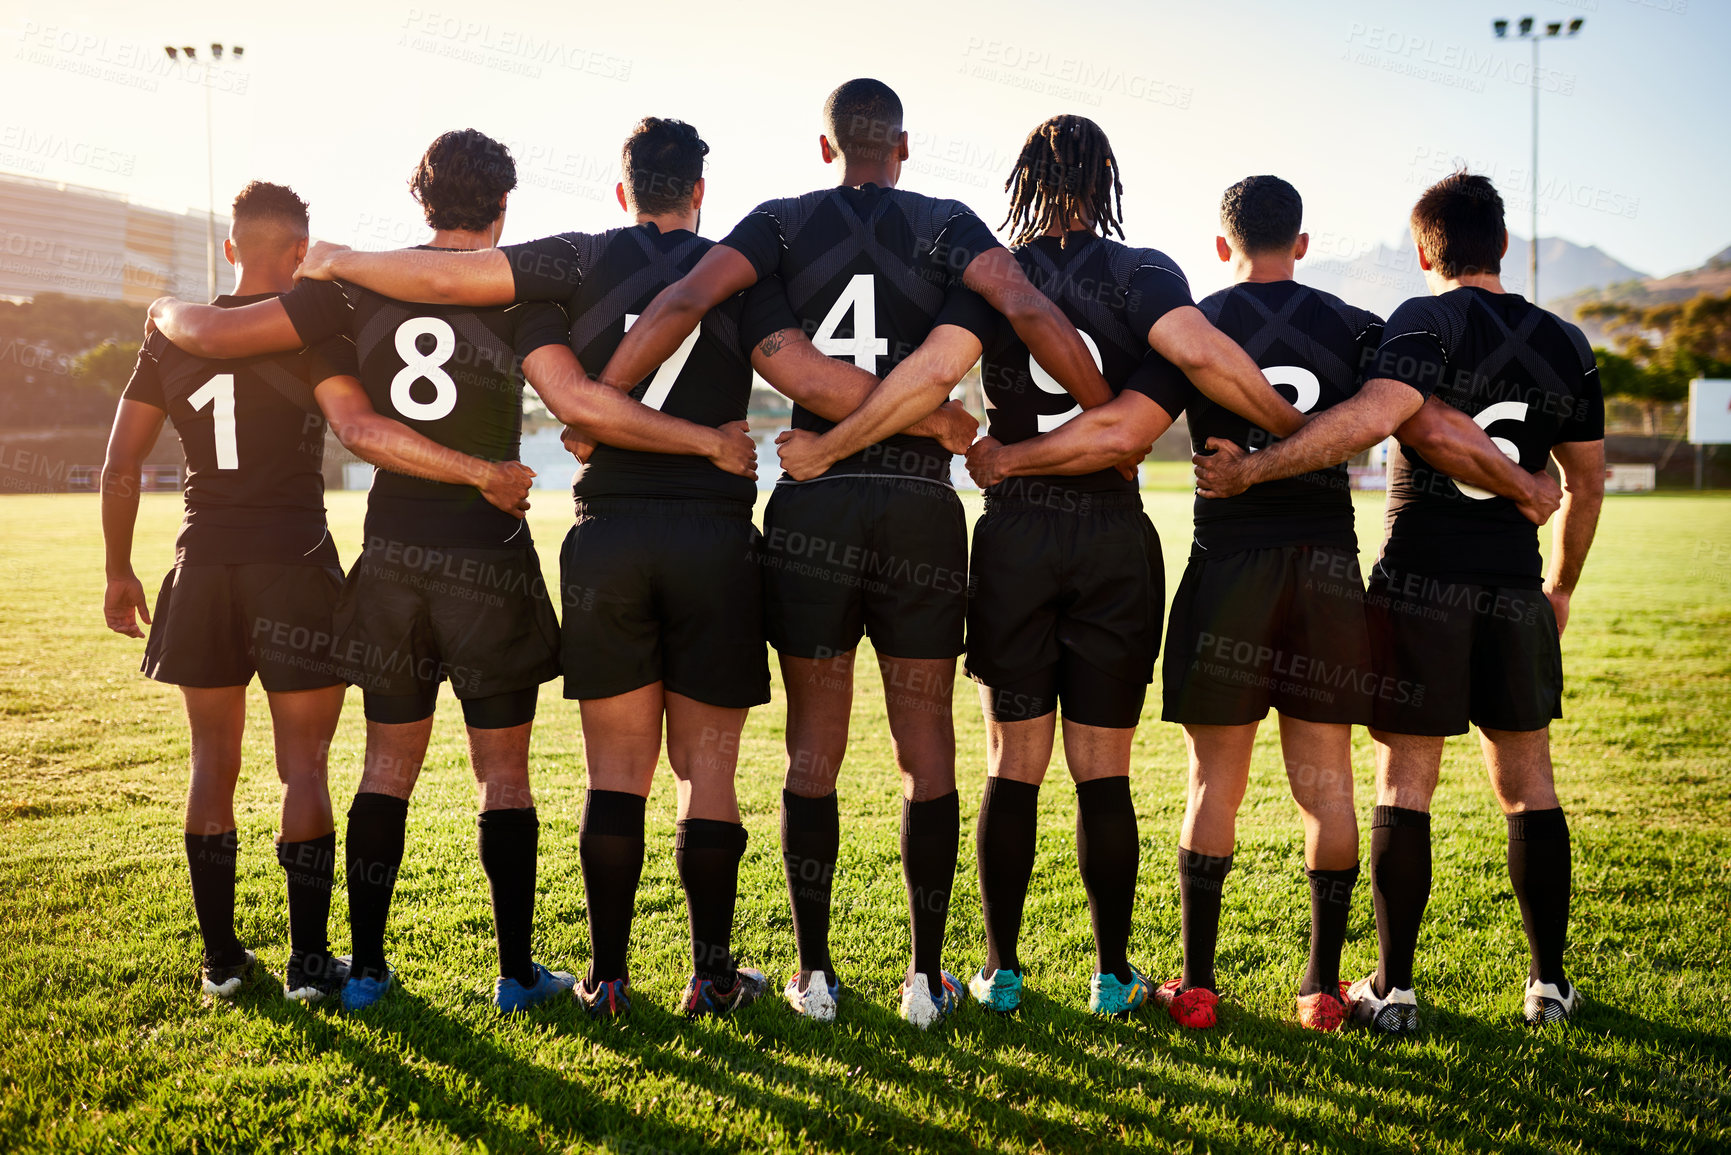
(1523, 374)
(453, 375)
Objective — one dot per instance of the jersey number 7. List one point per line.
(661, 381)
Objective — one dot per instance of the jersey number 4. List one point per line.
(865, 346)
(661, 381)
(218, 393)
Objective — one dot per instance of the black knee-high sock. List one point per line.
(1400, 889)
(931, 831)
(1539, 868)
(508, 841)
(810, 841)
(1330, 904)
(610, 845)
(210, 858)
(707, 853)
(374, 841)
(1201, 878)
(309, 867)
(1107, 852)
(1004, 847)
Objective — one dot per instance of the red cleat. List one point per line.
(1323, 1011)
(1193, 1008)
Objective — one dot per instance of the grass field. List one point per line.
(104, 1044)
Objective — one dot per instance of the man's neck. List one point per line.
(670, 222)
(855, 175)
(1490, 282)
(1077, 224)
(1262, 269)
(249, 283)
(464, 238)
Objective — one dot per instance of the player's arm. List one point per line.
(1042, 326)
(1090, 441)
(1329, 438)
(1583, 466)
(834, 389)
(616, 419)
(478, 278)
(136, 427)
(389, 444)
(675, 312)
(1221, 369)
(919, 383)
(221, 334)
(1455, 444)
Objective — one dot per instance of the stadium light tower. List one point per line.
(189, 54)
(1528, 31)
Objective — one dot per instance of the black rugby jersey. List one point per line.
(868, 272)
(1528, 378)
(1113, 294)
(254, 442)
(453, 375)
(605, 281)
(1312, 347)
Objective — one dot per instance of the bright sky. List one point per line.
(1359, 103)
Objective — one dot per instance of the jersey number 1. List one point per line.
(218, 393)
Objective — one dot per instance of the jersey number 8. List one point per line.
(418, 366)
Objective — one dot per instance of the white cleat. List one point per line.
(223, 982)
(817, 1001)
(1396, 1013)
(1546, 1004)
(918, 1006)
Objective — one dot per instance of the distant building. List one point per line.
(61, 238)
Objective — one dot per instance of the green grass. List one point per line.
(104, 1044)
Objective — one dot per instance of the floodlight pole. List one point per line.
(191, 55)
(1529, 30)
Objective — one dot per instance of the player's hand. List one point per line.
(507, 486)
(801, 453)
(1543, 499)
(1559, 600)
(983, 464)
(578, 443)
(123, 604)
(316, 265)
(1127, 467)
(735, 451)
(961, 429)
(1221, 473)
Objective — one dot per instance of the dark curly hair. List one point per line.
(263, 203)
(1261, 214)
(1066, 170)
(663, 161)
(461, 178)
(1458, 222)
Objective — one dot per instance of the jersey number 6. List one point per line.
(1486, 417)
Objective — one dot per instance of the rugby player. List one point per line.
(1068, 578)
(1465, 620)
(877, 544)
(445, 587)
(256, 578)
(663, 617)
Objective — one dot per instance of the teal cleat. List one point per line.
(1000, 992)
(1108, 996)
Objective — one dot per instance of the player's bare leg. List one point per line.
(1018, 754)
(917, 694)
(1318, 759)
(303, 723)
(373, 845)
(217, 716)
(819, 703)
(1540, 860)
(1407, 768)
(621, 745)
(703, 749)
(1219, 774)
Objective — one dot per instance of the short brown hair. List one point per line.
(663, 161)
(263, 203)
(1458, 222)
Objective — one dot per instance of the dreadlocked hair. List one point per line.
(1066, 171)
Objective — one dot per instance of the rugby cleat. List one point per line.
(1108, 996)
(1000, 992)
(362, 991)
(918, 1006)
(604, 1000)
(817, 1001)
(704, 997)
(1546, 1004)
(314, 978)
(223, 982)
(1325, 1010)
(1193, 1008)
(1395, 1013)
(511, 996)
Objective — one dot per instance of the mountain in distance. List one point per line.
(1712, 278)
(1382, 277)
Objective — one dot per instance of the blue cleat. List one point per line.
(360, 993)
(1001, 991)
(1108, 996)
(511, 996)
